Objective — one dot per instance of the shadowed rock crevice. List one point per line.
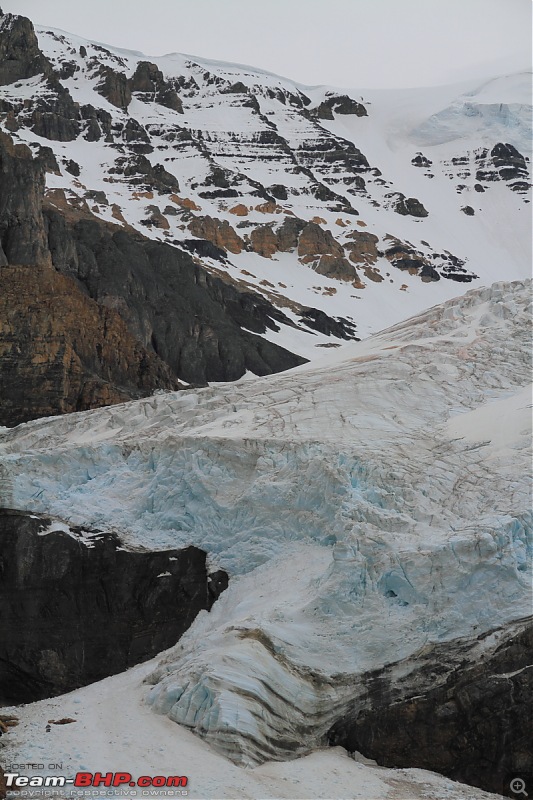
(78, 606)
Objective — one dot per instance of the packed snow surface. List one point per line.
(114, 731)
(364, 508)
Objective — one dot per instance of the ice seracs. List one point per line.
(358, 522)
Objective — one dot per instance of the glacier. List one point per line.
(366, 507)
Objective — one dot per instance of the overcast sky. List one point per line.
(366, 43)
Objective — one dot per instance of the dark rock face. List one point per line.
(141, 173)
(55, 115)
(22, 236)
(405, 257)
(148, 79)
(20, 56)
(126, 317)
(408, 206)
(318, 321)
(78, 607)
(191, 319)
(420, 160)
(115, 87)
(340, 104)
(503, 163)
(467, 718)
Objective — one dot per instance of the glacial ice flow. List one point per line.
(364, 507)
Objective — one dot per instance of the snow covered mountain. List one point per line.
(328, 214)
(373, 518)
(174, 231)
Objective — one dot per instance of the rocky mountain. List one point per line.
(173, 231)
(216, 220)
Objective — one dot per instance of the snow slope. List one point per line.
(364, 507)
(115, 732)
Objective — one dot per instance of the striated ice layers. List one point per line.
(365, 509)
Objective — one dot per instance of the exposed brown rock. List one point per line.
(373, 274)
(117, 213)
(264, 241)
(185, 202)
(157, 219)
(335, 267)
(362, 247)
(315, 241)
(219, 232)
(318, 221)
(269, 208)
(60, 351)
(240, 210)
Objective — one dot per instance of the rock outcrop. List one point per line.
(340, 104)
(77, 605)
(503, 163)
(20, 57)
(60, 351)
(115, 87)
(127, 316)
(22, 234)
(148, 80)
(407, 206)
(466, 718)
(191, 319)
(318, 248)
(217, 231)
(362, 247)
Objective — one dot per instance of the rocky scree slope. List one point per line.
(234, 220)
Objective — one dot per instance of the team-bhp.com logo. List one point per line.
(90, 780)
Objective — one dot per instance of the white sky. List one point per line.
(366, 43)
